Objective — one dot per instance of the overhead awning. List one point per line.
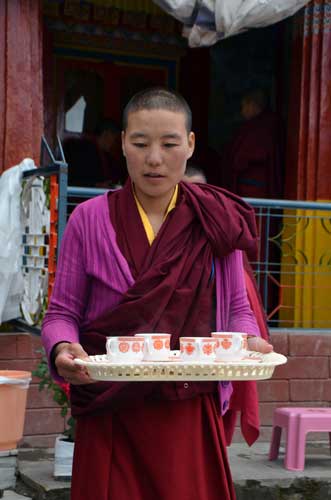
(208, 21)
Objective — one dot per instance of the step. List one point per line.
(255, 478)
(35, 477)
(11, 495)
(8, 461)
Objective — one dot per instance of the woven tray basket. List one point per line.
(255, 366)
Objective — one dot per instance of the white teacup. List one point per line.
(125, 349)
(197, 348)
(231, 346)
(156, 346)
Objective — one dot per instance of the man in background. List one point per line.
(252, 167)
(195, 174)
(253, 161)
(96, 160)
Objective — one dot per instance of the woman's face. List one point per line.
(156, 146)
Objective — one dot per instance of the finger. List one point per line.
(268, 348)
(66, 368)
(71, 371)
(72, 351)
(77, 351)
(259, 345)
(80, 376)
(65, 361)
(265, 346)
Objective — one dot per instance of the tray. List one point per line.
(255, 366)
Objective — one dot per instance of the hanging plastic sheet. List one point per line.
(11, 279)
(207, 21)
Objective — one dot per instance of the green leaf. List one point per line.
(58, 394)
(64, 412)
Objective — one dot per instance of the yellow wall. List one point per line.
(306, 269)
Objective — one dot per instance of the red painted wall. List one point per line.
(21, 94)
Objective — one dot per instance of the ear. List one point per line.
(191, 144)
(123, 142)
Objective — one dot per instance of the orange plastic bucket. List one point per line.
(13, 393)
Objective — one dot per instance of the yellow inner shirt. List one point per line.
(144, 217)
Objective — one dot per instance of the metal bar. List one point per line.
(255, 202)
(265, 209)
(22, 326)
(266, 259)
(82, 192)
(309, 205)
(61, 150)
(62, 203)
(302, 331)
(259, 214)
(45, 145)
(42, 171)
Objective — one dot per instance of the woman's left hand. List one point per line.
(259, 345)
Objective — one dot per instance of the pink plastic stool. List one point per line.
(298, 422)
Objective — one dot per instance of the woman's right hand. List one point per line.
(64, 355)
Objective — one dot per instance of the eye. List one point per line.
(170, 145)
(139, 144)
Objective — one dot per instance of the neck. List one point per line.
(154, 205)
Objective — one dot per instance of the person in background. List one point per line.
(252, 167)
(95, 160)
(195, 174)
(244, 393)
(252, 163)
(159, 255)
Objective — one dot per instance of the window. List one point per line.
(74, 117)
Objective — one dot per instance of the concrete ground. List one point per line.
(254, 476)
(11, 495)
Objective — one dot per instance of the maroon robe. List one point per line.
(244, 398)
(252, 166)
(144, 441)
(173, 288)
(252, 162)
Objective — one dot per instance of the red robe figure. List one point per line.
(252, 167)
(252, 161)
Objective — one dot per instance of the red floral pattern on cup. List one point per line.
(158, 345)
(226, 344)
(231, 345)
(136, 346)
(208, 349)
(189, 348)
(124, 346)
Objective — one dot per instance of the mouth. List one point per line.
(153, 175)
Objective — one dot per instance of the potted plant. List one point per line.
(64, 444)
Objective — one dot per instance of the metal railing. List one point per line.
(293, 264)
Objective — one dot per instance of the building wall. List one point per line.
(21, 93)
(304, 381)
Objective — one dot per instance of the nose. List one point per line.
(154, 155)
